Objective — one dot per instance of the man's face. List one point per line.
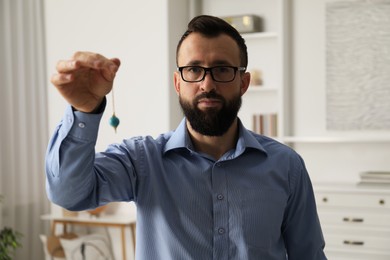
(210, 107)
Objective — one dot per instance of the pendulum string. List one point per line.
(114, 121)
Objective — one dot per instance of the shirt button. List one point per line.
(220, 196)
(221, 231)
(81, 125)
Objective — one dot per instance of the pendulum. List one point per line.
(114, 121)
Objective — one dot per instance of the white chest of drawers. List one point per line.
(355, 221)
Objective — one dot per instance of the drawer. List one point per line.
(357, 200)
(357, 239)
(339, 254)
(354, 218)
(348, 242)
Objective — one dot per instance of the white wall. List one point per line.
(135, 32)
(326, 161)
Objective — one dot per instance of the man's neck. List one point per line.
(215, 146)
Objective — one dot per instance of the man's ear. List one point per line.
(176, 81)
(245, 81)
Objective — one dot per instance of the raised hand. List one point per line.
(85, 79)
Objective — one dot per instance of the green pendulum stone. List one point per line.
(114, 122)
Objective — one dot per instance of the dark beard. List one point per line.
(212, 122)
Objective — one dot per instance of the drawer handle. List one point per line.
(382, 202)
(325, 199)
(355, 220)
(355, 243)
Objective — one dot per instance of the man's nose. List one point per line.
(208, 84)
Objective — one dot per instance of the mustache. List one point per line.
(211, 94)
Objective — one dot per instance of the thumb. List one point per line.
(110, 68)
(116, 61)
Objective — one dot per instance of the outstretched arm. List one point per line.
(75, 178)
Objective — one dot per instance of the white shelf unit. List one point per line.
(266, 54)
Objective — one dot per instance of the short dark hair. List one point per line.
(211, 26)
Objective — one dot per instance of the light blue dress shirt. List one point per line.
(255, 202)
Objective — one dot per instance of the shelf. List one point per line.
(259, 88)
(314, 139)
(259, 35)
(344, 187)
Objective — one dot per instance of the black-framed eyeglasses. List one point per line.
(218, 73)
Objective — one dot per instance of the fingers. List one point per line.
(66, 66)
(82, 60)
(107, 67)
(61, 79)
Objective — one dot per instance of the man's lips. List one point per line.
(209, 102)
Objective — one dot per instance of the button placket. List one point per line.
(220, 211)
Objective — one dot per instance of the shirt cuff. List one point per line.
(83, 126)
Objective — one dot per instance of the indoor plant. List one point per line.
(9, 241)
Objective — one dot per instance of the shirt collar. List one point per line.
(181, 139)
(247, 139)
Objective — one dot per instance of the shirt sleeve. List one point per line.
(302, 230)
(76, 177)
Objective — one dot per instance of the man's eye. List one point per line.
(194, 69)
(222, 69)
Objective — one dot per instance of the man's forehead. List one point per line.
(221, 49)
